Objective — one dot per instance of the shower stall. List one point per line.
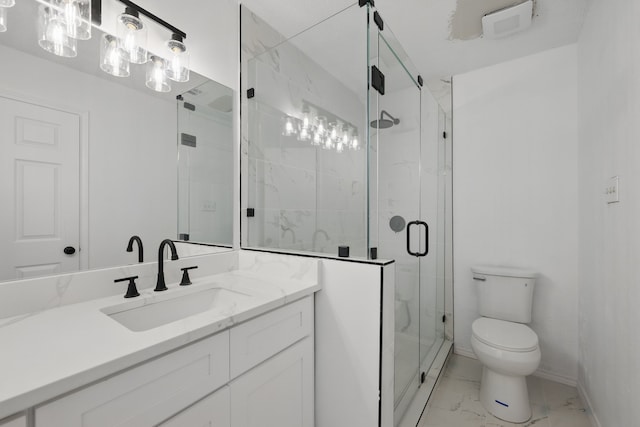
(344, 151)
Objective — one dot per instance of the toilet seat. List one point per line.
(503, 335)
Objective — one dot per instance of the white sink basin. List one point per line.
(159, 312)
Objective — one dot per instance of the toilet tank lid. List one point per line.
(504, 271)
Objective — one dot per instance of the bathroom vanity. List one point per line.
(249, 356)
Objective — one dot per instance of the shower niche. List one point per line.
(343, 145)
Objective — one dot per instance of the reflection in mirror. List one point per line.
(87, 159)
(205, 164)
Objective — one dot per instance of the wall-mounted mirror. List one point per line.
(88, 159)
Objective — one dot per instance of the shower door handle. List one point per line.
(426, 239)
(426, 229)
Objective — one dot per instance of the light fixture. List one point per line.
(133, 35)
(76, 15)
(52, 33)
(3, 19)
(112, 58)
(305, 134)
(321, 126)
(7, 3)
(178, 62)
(317, 138)
(354, 144)
(156, 74)
(289, 128)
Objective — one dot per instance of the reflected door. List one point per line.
(39, 166)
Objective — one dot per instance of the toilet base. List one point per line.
(505, 396)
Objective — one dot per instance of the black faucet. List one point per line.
(160, 285)
(140, 250)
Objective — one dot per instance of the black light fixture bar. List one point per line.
(154, 18)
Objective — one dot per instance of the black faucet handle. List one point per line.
(132, 291)
(185, 275)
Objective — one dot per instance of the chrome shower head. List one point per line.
(383, 123)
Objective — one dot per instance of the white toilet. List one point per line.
(507, 348)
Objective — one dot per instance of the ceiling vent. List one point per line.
(507, 21)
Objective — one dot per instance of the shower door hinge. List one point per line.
(423, 377)
(444, 318)
(188, 140)
(444, 135)
(377, 79)
(251, 212)
(363, 2)
(378, 20)
(251, 93)
(420, 81)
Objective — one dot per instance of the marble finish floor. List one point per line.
(455, 401)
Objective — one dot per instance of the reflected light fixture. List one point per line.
(156, 74)
(3, 19)
(289, 128)
(132, 34)
(52, 33)
(7, 3)
(76, 15)
(112, 58)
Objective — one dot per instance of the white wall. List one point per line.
(515, 193)
(609, 267)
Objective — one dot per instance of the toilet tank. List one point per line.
(505, 293)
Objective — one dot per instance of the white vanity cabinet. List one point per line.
(258, 373)
(148, 394)
(19, 421)
(211, 411)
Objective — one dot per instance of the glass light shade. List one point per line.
(289, 128)
(76, 15)
(178, 63)
(317, 138)
(3, 19)
(306, 118)
(328, 143)
(113, 60)
(52, 33)
(321, 126)
(333, 131)
(7, 3)
(156, 74)
(344, 139)
(340, 147)
(132, 34)
(305, 134)
(355, 144)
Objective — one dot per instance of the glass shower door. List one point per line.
(397, 229)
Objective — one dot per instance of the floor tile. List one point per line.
(455, 401)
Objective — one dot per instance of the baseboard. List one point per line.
(589, 407)
(464, 351)
(551, 376)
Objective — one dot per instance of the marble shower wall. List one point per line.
(305, 197)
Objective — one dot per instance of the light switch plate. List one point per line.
(612, 191)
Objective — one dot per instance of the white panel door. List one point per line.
(39, 189)
(278, 392)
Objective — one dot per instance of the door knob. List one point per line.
(69, 250)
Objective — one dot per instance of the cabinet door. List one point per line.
(147, 394)
(278, 392)
(15, 422)
(212, 411)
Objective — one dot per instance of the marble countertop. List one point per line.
(51, 352)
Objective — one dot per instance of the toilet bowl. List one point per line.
(509, 352)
